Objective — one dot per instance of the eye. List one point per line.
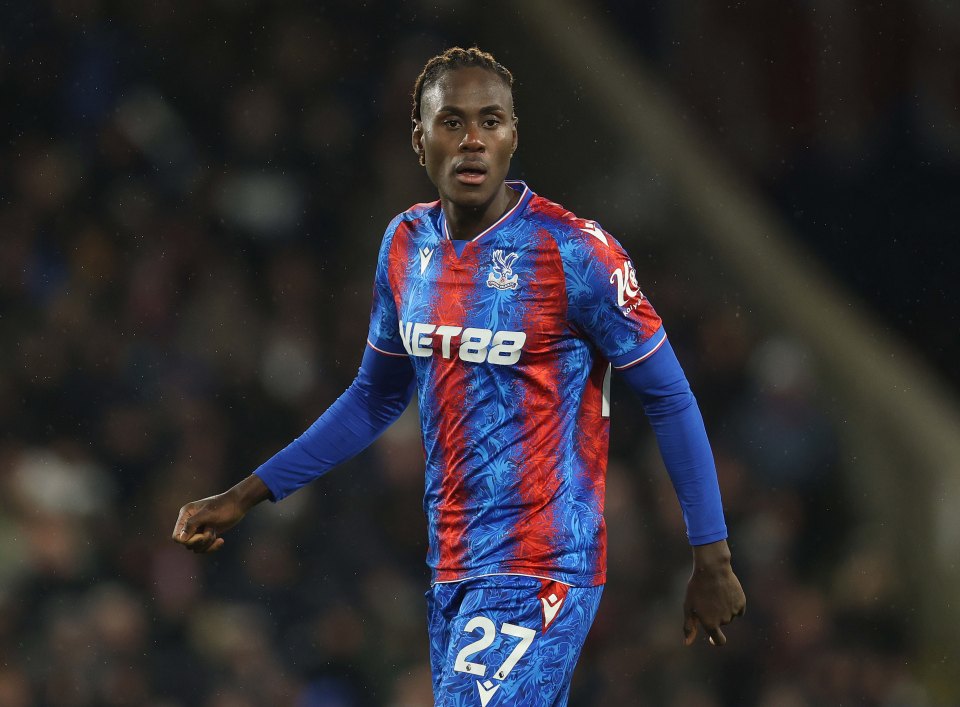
(491, 122)
(452, 123)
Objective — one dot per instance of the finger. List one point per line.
(178, 534)
(689, 629)
(716, 637)
(208, 546)
(200, 542)
(185, 527)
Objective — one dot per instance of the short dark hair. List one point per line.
(456, 58)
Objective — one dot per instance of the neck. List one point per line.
(466, 223)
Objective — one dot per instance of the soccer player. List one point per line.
(505, 312)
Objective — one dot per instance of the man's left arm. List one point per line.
(605, 302)
(714, 595)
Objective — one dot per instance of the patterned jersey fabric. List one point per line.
(511, 343)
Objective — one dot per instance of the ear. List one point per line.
(515, 135)
(416, 139)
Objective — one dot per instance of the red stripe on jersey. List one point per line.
(449, 381)
(592, 446)
(592, 429)
(538, 456)
(396, 268)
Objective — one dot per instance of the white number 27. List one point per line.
(463, 665)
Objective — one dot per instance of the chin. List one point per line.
(470, 197)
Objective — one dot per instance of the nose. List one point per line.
(472, 140)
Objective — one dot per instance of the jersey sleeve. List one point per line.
(682, 438)
(604, 299)
(384, 332)
(378, 395)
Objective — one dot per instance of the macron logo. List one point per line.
(425, 255)
(551, 607)
(593, 230)
(551, 596)
(486, 691)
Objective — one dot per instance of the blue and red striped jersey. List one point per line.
(512, 343)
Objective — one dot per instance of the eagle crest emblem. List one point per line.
(501, 271)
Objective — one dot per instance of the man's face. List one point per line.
(467, 134)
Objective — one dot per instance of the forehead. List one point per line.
(465, 88)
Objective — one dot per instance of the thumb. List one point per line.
(186, 525)
(689, 628)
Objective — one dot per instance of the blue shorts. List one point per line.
(507, 640)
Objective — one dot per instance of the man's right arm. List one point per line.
(200, 523)
(376, 398)
(378, 395)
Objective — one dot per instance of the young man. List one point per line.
(506, 313)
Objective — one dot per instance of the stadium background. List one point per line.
(191, 197)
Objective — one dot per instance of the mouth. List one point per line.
(471, 172)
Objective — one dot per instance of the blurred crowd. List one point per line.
(191, 198)
(844, 114)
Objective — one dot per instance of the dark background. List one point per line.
(191, 198)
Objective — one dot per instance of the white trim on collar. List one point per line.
(523, 196)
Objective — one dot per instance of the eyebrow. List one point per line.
(493, 108)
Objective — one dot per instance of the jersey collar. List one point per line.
(525, 195)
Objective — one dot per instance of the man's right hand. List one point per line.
(201, 523)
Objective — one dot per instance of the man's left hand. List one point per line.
(714, 595)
